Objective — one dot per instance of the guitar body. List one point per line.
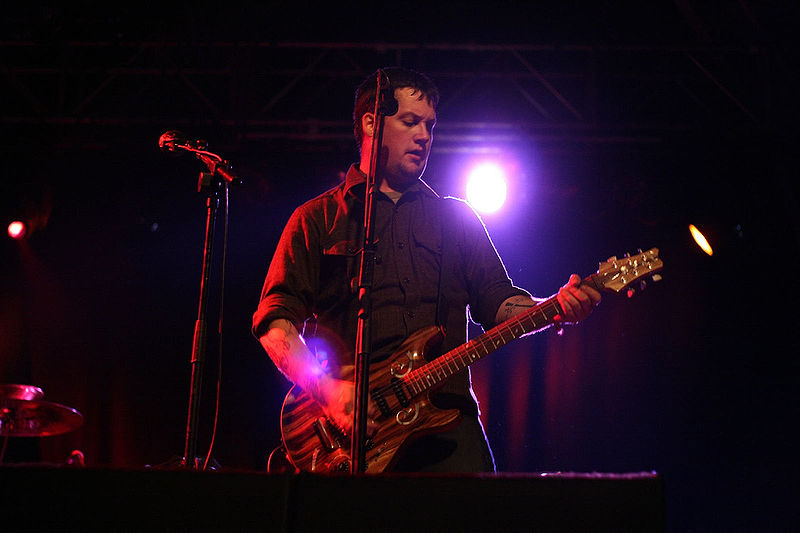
(401, 384)
(315, 444)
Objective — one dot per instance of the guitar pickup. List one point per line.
(400, 394)
(325, 437)
(380, 400)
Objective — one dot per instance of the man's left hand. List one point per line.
(576, 300)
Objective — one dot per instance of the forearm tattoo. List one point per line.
(512, 308)
(280, 355)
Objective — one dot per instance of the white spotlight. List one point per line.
(487, 188)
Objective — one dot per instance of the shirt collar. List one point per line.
(355, 177)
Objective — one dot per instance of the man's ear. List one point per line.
(367, 123)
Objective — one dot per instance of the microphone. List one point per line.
(176, 142)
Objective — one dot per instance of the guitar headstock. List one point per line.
(618, 274)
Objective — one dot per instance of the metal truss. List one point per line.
(300, 93)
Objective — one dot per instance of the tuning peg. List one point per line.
(656, 277)
(642, 285)
(631, 292)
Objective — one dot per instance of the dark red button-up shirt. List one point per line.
(314, 272)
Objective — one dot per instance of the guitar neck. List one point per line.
(536, 318)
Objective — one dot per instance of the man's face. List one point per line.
(407, 138)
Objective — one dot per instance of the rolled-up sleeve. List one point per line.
(291, 283)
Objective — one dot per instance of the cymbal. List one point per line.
(36, 418)
(20, 392)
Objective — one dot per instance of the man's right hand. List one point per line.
(289, 352)
(336, 399)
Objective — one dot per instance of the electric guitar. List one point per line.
(401, 384)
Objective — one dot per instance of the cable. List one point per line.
(220, 326)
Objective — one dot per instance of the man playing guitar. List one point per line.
(434, 262)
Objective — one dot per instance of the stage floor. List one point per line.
(175, 500)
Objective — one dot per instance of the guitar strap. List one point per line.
(448, 254)
(455, 392)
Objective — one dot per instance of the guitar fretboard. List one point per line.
(441, 368)
(535, 319)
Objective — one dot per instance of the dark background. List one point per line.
(627, 122)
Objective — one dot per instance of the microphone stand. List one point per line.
(363, 339)
(212, 184)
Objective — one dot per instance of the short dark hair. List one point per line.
(398, 78)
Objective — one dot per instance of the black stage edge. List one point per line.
(46, 498)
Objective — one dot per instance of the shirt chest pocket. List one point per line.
(427, 238)
(339, 265)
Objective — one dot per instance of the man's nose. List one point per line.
(423, 135)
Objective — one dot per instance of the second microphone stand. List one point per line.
(212, 183)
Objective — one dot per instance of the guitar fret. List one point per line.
(445, 366)
(554, 307)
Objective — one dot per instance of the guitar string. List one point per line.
(417, 380)
(439, 369)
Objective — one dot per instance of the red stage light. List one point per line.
(17, 229)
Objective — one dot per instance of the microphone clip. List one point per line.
(218, 172)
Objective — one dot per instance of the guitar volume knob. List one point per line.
(340, 464)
